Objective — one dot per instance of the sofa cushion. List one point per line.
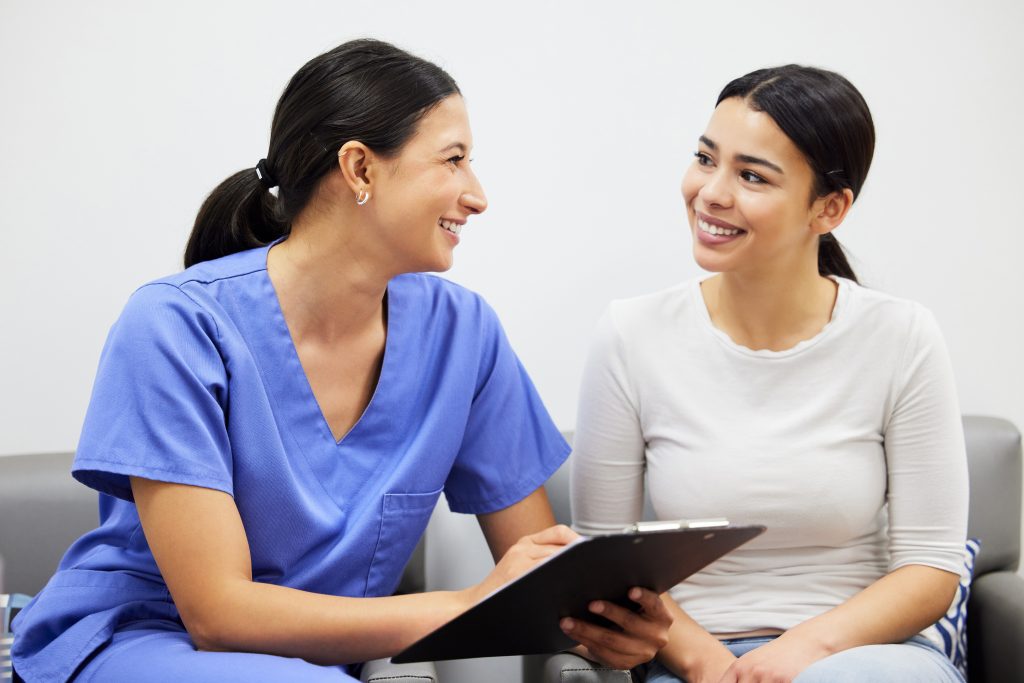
(953, 625)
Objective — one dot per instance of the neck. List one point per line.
(329, 282)
(773, 311)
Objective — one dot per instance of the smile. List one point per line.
(450, 226)
(717, 230)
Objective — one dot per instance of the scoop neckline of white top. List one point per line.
(701, 309)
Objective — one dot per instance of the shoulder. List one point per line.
(878, 313)
(217, 270)
(162, 321)
(442, 300)
(640, 315)
(192, 293)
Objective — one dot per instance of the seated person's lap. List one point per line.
(903, 663)
(912, 661)
(158, 653)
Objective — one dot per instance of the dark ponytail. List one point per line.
(832, 258)
(829, 122)
(239, 214)
(364, 90)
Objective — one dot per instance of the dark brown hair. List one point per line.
(364, 90)
(828, 121)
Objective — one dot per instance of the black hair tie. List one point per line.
(263, 173)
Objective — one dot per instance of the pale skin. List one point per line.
(768, 294)
(331, 278)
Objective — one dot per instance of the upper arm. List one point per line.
(199, 543)
(504, 527)
(926, 457)
(608, 448)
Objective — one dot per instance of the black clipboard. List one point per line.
(521, 617)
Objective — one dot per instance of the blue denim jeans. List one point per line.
(916, 661)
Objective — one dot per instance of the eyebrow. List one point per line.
(455, 145)
(744, 158)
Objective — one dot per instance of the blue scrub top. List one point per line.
(199, 383)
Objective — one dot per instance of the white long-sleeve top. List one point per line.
(848, 447)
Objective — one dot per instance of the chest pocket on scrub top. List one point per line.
(403, 520)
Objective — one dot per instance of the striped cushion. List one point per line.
(8, 603)
(953, 626)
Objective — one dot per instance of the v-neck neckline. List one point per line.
(296, 382)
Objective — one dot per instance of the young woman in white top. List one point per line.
(779, 391)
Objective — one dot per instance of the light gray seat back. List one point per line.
(994, 461)
(557, 488)
(42, 511)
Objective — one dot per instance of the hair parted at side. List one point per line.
(365, 90)
(829, 122)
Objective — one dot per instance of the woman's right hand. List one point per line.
(522, 556)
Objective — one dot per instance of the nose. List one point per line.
(716, 189)
(473, 199)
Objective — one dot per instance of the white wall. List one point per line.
(118, 117)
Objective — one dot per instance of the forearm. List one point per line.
(325, 629)
(199, 543)
(692, 653)
(891, 610)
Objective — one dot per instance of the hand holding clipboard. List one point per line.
(522, 617)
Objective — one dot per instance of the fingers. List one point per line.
(539, 552)
(608, 647)
(729, 676)
(524, 555)
(651, 606)
(544, 543)
(647, 623)
(644, 633)
(558, 535)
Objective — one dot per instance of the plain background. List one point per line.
(119, 117)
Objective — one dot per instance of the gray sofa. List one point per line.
(995, 614)
(43, 510)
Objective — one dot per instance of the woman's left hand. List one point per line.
(779, 661)
(643, 634)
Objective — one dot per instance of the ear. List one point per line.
(828, 212)
(355, 160)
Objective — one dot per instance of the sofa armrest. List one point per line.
(995, 628)
(380, 670)
(566, 667)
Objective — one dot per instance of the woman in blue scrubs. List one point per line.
(271, 428)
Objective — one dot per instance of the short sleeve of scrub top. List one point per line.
(158, 404)
(199, 383)
(502, 421)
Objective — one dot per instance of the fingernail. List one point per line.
(567, 624)
(635, 594)
(597, 607)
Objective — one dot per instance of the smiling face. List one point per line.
(748, 196)
(422, 198)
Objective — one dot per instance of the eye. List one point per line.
(752, 177)
(455, 160)
(703, 159)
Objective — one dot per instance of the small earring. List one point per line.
(362, 197)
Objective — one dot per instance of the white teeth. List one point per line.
(450, 226)
(716, 230)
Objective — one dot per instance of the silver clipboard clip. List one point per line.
(676, 525)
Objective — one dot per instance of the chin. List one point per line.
(711, 263)
(440, 265)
